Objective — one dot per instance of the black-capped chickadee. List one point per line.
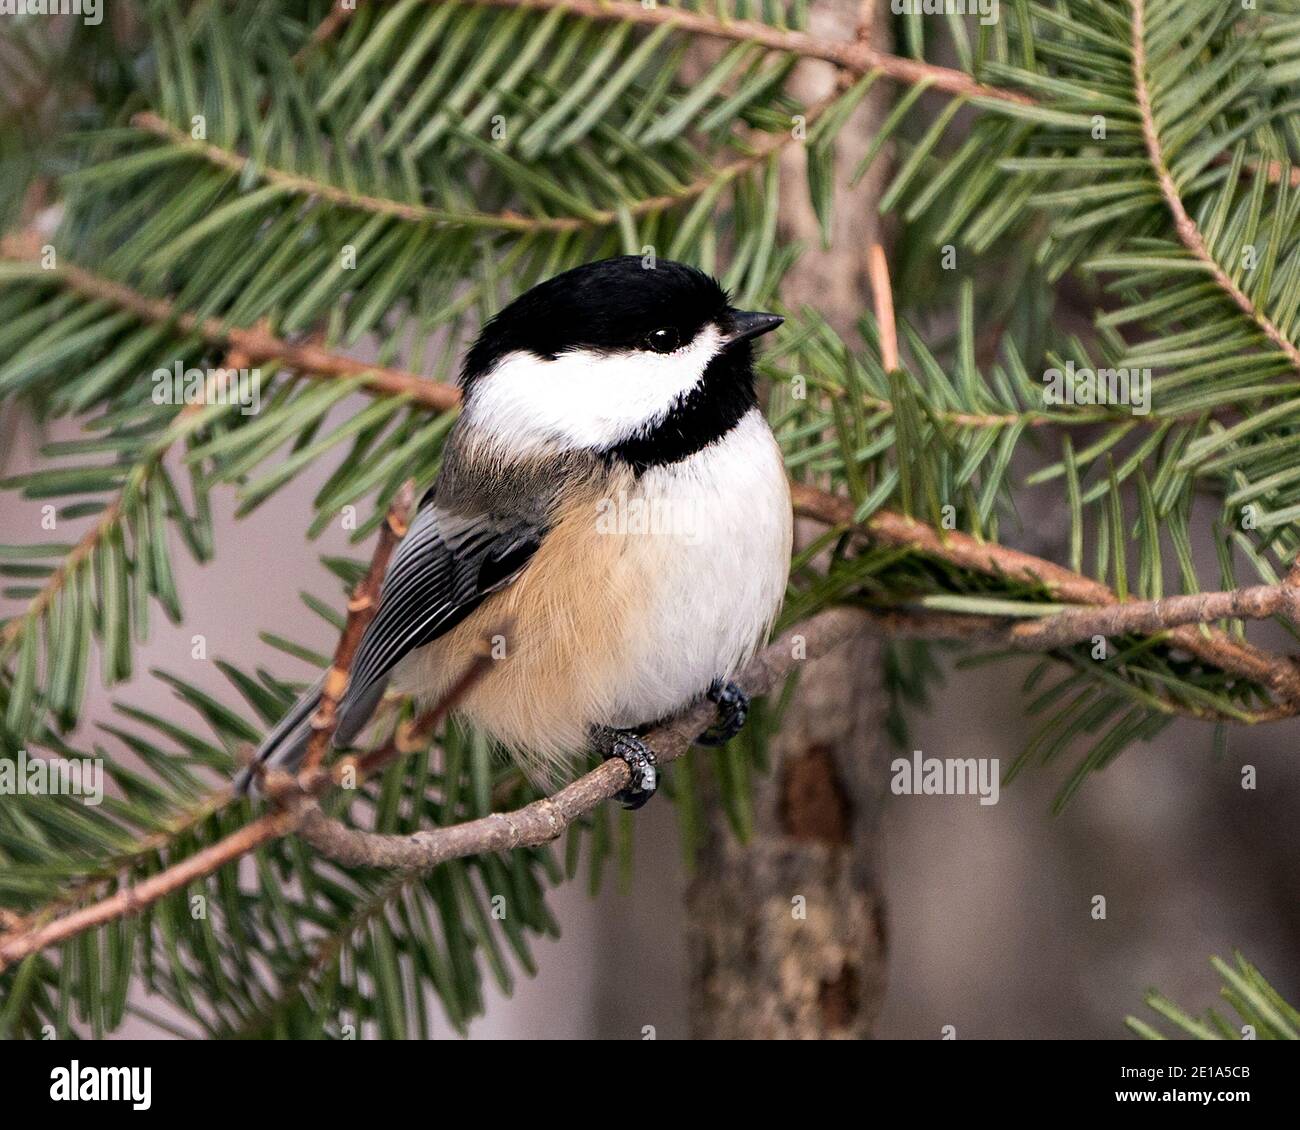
(612, 491)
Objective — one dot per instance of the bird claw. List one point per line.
(733, 709)
(640, 761)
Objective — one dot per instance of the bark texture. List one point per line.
(787, 935)
(788, 932)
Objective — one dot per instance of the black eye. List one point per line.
(664, 340)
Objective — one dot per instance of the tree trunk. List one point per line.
(787, 934)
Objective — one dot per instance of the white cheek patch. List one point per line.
(586, 399)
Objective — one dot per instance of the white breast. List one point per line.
(711, 565)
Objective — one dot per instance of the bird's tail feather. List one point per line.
(286, 744)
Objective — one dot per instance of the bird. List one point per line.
(612, 491)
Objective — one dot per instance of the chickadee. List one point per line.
(612, 491)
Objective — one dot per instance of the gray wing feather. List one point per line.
(441, 571)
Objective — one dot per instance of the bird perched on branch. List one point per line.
(613, 492)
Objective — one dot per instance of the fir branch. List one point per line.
(762, 146)
(1189, 234)
(339, 14)
(182, 822)
(135, 897)
(258, 344)
(113, 516)
(237, 163)
(80, 553)
(1076, 625)
(1076, 418)
(324, 953)
(855, 56)
(362, 606)
(1280, 674)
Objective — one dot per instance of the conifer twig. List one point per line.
(1075, 625)
(1277, 672)
(134, 897)
(760, 145)
(258, 344)
(339, 14)
(1188, 231)
(857, 56)
(109, 519)
(362, 605)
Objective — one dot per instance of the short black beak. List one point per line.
(750, 323)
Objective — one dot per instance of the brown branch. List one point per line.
(762, 146)
(135, 897)
(361, 610)
(1278, 673)
(339, 14)
(856, 56)
(186, 820)
(1257, 602)
(1184, 225)
(889, 528)
(1076, 625)
(546, 819)
(1273, 170)
(257, 344)
(413, 737)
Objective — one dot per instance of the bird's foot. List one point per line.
(733, 709)
(640, 761)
